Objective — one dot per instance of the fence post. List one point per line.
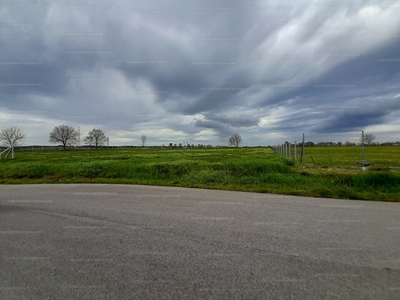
(362, 146)
(303, 153)
(295, 151)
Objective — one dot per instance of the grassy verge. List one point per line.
(242, 169)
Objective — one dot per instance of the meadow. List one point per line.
(329, 172)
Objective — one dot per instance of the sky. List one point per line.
(199, 71)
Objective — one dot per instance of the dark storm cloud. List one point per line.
(225, 125)
(343, 94)
(235, 121)
(353, 122)
(152, 66)
(219, 128)
(365, 112)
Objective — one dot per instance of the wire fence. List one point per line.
(294, 151)
(297, 151)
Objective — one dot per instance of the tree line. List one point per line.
(68, 136)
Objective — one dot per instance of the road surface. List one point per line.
(82, 241)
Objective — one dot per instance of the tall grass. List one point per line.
(245, 169)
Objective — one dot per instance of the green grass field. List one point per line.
(381, 157)
(334, 172)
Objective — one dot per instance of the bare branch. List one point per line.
(64, 134)
(143, 138)
(235, 140)
(368, 139)
(96, 137)
(12, 136)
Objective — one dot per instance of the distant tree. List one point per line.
(64, 134)
(12, 136)
(96, 138)
(143, 138)
(368, 139)
(235, 140)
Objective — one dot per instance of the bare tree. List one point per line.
(368, 139)
(64, 134)
(96, 137)
(235, 140)
(143, 138)
(12, 136)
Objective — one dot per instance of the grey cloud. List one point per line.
(226, 125)
(356, 117)
(235, 121)
(195, 58)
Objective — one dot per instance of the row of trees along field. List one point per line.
(68, 136)
(368, 141)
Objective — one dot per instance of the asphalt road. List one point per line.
(141, 242)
